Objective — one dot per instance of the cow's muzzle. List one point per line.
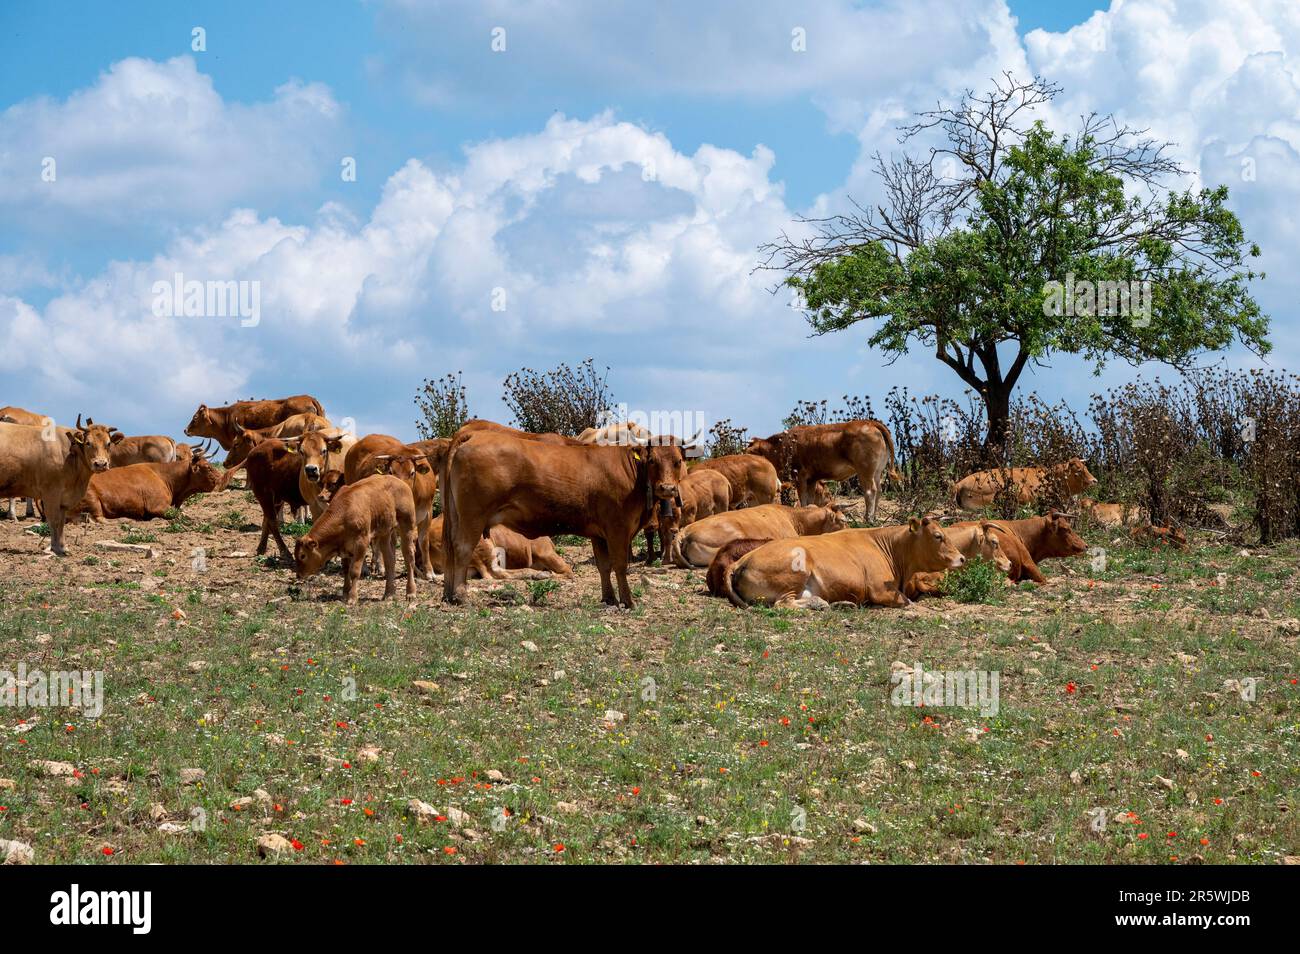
(313, 473)
(99, 465)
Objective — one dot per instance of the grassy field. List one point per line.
(682, 731)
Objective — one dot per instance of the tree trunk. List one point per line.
(997, 404)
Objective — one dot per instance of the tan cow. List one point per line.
(321, 452)
(1027, 541)
(53, 466)
(865, 567)
(539, 489)
(697, 544)
(814, 452)
(754, 481)
(978, 490)
(478, 424)
(382, 454)
(219, 422)
(142, 449)
(981, 541)
(146, 491)
(504, 555)
(17, 415)
(1112, 515)
(622, 434)
(371, 511)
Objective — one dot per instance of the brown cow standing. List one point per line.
(754, 481)
(979, 489)
(380, 453)
(321, 453)
(246, 438)
(856, 566)
(810, 453)
(504, 555)
(273, 469)
(697, 544)
(147, 491)
(56, 470)
(219, 422)
(369, 512)
(541, 489)
(17, 415)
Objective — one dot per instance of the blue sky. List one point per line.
(610, 177)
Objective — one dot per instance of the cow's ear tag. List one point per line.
(636, 455)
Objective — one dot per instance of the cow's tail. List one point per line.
(723, 565)
(675, 551)
(450, 517)
(894, 474)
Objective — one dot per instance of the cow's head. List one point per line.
(829, 518)
(1077, 476)
(92, 442)
(307, 557)
(1058, 538)
(765, 447)
(242, 445)
(330, 484)
(200, 424)
(203, 477)
(990, 547)
(665, 468)
(314, 449)
(402, 466)
(931, 548)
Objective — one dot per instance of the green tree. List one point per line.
(1006, 243)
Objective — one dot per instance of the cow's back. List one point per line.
(28, 461)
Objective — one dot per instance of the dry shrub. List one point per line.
(726, 439)
(563, 401)
(443, 407)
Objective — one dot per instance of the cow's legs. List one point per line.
(458, 555)
(885, 594)
(389, 553)
(804, 487)
(601, 550)
(616, 556)
(408, 557)
(12, 513)
(422, 544)
(54, 516)
(870, 481)
(31, 507)
(353, 577)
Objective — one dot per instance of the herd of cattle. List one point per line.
(505, 492)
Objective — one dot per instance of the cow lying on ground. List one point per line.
(146, 491)
(17, 415)
(142, 449)
(697, 544)
(807, 454)
(273, 469)
(55, 471)
(1112, 515)
(371, 511)
(865, 567)
(754, 481)
(246, 438)
(219, 422)
(1159, 536)
(981, 541)
(623, 434)
(504, 555)
(979, 489)
(1035, 539)
(541, 489)
(382, 454)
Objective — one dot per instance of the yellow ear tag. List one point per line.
(636, 455)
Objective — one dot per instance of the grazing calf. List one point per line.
(807, 454)
(504, 555)
(382, 454)
(979, 489)
(753, 479)
(219, 422)
(53, 466)
(697, 544)
(537, 489)
(856, 566)
(146, 491)
(273, 469)
(371, 511)
(972, 541)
